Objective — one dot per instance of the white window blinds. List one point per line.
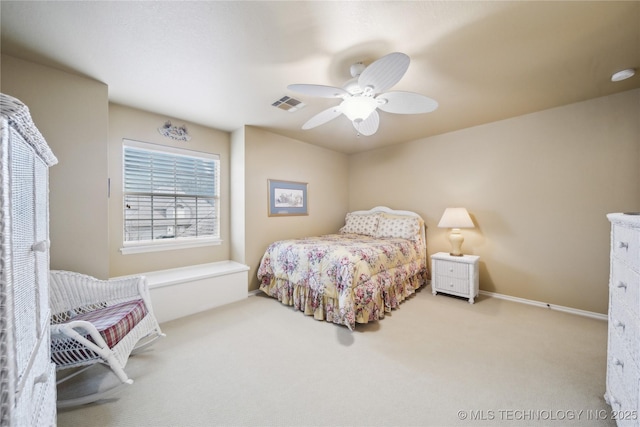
(169, 193)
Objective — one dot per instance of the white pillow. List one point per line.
(403, 227)
(361, 224)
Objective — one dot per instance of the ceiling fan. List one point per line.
(365, 93)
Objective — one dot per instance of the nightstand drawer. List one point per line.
(452, 284)
(452, 269)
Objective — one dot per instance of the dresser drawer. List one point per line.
(625, 244)
(625, 285)
(452, 284)
(45, 396)
(37, 388)
(621, 367)
(624, 325)
(620, 402)
(452, 269)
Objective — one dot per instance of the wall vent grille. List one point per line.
(288, 104)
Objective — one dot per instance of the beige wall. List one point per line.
(538, 187)
(130, 123)
(271, 156)
(71, 113)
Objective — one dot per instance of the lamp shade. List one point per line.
(455, 218)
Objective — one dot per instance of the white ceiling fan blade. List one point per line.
(369, 126)
(385, 72)
(399, 102)
(318, 90)
(322, 117)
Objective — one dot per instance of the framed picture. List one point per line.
(287, 198)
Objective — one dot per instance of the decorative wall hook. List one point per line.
(174, 132)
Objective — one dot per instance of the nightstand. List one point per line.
(455, 275)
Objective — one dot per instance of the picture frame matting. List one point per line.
(287, 198)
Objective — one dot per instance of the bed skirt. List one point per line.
(368, 301)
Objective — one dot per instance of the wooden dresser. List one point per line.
(27, 376)
(623, 354)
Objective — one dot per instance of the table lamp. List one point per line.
(455, 219)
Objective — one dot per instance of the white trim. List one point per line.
(591, 314)
(254, 292)
(175, 276)
(169, 149)
(170, 244)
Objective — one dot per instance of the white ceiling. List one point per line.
(222, 64)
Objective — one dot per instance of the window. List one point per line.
(171, 197)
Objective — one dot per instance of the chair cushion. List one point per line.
(115, 322)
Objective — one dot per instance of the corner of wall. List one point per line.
(237, 190)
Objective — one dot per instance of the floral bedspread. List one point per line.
(343, 278)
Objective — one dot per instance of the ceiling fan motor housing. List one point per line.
(357, 69)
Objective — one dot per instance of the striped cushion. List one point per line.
(115, 322)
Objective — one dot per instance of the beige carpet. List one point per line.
(436, 361)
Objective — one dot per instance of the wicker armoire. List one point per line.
(27, 376)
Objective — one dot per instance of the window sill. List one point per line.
(168, 246)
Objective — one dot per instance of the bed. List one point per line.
(373, 263)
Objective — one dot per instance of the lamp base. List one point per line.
(456, 240)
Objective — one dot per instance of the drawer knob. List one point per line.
(615, 402)
(618, 324)
(618, 362)
(623, 245)
(451, 270)
(622, 285)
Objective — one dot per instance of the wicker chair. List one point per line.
(98, 321)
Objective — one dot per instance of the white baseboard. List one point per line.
(579, 312)
(593, 315)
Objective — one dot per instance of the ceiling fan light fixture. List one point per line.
(623, 75)
(358, 108)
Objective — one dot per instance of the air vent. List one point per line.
(288, 104)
